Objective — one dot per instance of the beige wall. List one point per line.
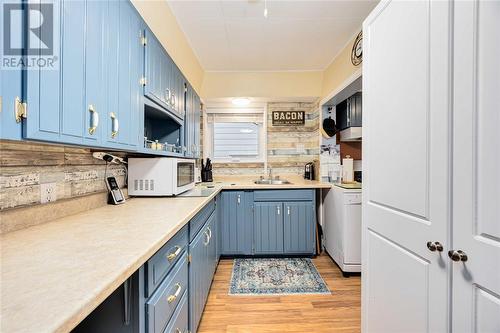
(281, 84)
(262, 84)
(339, 70)
(162, 22)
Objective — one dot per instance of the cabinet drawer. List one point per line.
(283, 195)
(179, 321)
(162, 261)
(199, 220)
(161, 306)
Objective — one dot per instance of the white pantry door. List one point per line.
(476, 167)
(406, 163)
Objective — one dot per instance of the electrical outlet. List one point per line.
(48, 192)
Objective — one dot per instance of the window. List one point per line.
(235, 135)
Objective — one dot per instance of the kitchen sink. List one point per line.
(272, 182)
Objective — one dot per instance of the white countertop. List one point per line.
(55, 274)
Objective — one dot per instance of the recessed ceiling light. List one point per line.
(241, 101)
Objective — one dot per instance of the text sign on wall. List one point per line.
(288, 118)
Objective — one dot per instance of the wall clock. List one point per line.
(357, 50)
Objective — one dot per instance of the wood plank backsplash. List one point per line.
(25, 166)
(289, 148)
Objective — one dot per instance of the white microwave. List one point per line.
(160, 176)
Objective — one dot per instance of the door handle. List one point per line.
(288, 210)
(173, 255)
(173, 297)
(94, 119)
(115, 125)
(457, 255)
(239, 199)
(209, 232)
(278, 208)
(435, 246)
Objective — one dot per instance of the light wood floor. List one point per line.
(338, 312)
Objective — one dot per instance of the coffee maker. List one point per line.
(309, 171)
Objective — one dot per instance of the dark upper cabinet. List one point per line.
(349, 112)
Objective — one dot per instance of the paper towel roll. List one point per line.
(347, 169)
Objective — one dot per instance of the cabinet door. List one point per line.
(197, 277)
(196, 125)
(55, 97)
(236, 230)
(125, 70)
(476, 161)
(95, 106)
(299, 227)
(188, 123)
(268, 227)
(355, 107)
(157, 78)
(11, 88)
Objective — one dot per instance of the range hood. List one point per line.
(351, 134)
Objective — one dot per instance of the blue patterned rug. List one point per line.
(272, 276)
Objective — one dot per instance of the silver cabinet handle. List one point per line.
(169, 95)
(207, 239)
(457, 255)
(115, 125)
(435, 246)
(94, 119)
(173, 297)
(239, 199)
(171, 256)
(278, 208)
(288, 210)
(173, 100)
(209, 232)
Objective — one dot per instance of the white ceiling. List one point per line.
(297, 35)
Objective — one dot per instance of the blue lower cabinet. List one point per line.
(236, 223)
(268, 228)
(161, 263)
(180, 319)
(161, 306)
(203, 256)
(299, 227)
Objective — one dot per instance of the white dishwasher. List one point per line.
(342, 227)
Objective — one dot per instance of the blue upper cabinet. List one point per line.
(164, 83)
(93, 98)
(95, 106)
(124, 63)
(52, 90)
(11, 91)
(192, 123)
